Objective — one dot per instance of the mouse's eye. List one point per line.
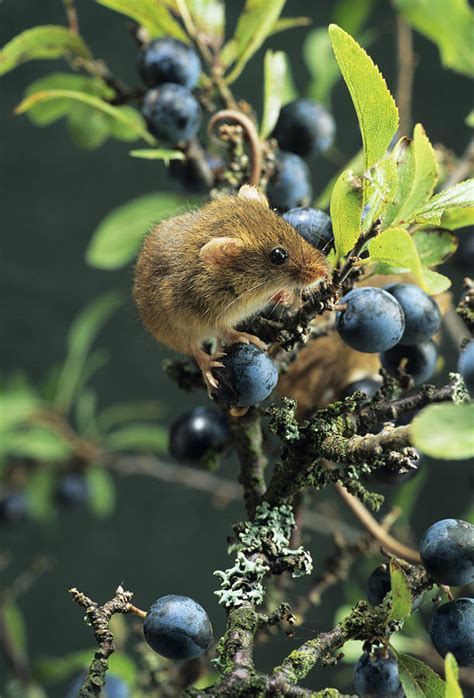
(278, 255)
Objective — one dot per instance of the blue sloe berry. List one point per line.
(13, 507)
(373, 320)
(452, 630)
(312, 224)
(378, 585)
(169, 60)
(447, 552)
(197, 431)
(290, 185)
(466, 366)
(177, 627)
(305, 127)
(422, 315)
(376, 675)
(72, 490)
(418, 361)
(172, 113)
(248, 376)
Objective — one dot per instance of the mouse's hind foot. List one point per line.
(207, 362)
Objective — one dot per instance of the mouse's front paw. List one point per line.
(235, 337)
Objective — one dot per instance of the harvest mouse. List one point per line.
(200, 274)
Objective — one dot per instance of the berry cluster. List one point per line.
(397, 321)
(447, 553)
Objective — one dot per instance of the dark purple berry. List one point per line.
(196, 432)
(447, 552)
(373, 320)
(376, 675)
(422, 315)
(172, 113)
(169, 60)
(290, 185)
(466, 366)
(419, 361)
(305, 127)
(248, 376)
(452, 630)
(313, 225)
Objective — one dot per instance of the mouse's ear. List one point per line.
(253, 194)
(219, 251)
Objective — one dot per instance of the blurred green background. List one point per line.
(161, 538)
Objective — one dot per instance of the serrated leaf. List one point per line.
(417, 679)
(401, 594)
(254, 25)
(459, 196)
(445, 431)
(275, 67)
(81, 336)
(117, 113)
(46, 113)
(381, 184)
(425, 174)
(404, 157)
(158, 154)
(154, 16)
(101, 490)
(455, 218)
(453, 38)
(14, 629)
(43, 42)
(346, 209)
(434, 246)
(40, 493)
(118, 236)
(374, 105)
(38, 442)
(137, 437)
(453, 689)
(396, 247)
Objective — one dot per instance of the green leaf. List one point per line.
(435, 283)
(152, 15)
(128, 412)
(89, 128)
(380, 186)
(356, 164)
(45, 113)
(470, 119)
(54, 669)
(40, 493)
(323, 68)
(137, 437)
(374, 105)
(101, 491)
(42, 43)
(453, 38)
(453, 689)
(123, 667)
(118, 236)
(158, 154)
(461, 195)
(346, 209)
(275, 66)
(38, 442)
(401, 594)
(434, 246)
(16, 406)
(445, 431)
(209, 18)
(81, 336)
(255, 23)
(135, 123)
(285, 23)
(396, 247)
(423, 175)
(418, 680)
(352, 16)
(454, 218)
(14, 629)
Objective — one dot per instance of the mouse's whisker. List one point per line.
(245, 293)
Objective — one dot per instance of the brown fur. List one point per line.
(184, 298)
